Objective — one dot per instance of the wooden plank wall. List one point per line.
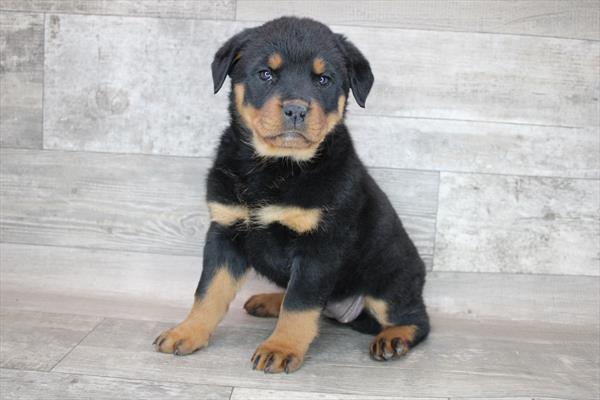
(483, 124)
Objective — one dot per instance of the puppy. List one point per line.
(289, 197)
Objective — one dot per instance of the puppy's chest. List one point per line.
(265, 200)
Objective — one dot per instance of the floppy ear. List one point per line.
(359, 70)
(226, 57)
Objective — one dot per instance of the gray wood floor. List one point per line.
(483, 127)
(79, 323)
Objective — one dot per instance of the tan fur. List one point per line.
(291, 338)
(319, 124)
(206, 313)
(264, 304)
(318, 66)
(379, 309)
(393, 341)
(228, 214)
(267, 150)
(263, 122)
(405, 332)
(266, 124)
(274, 62)
(300, 220)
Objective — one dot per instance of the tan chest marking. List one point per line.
(298, 219)
(228, 214)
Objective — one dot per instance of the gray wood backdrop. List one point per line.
(483, 128)
(483, 124)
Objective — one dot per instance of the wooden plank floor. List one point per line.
(482, 127)
(78, 322)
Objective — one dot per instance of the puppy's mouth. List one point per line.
(289, 139)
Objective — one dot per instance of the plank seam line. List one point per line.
(78, 343)
(198, 256)
(154, 381)
(375, 396)
(91, 249)
(60, 13)
(384, 27)
(43, 78)
(211, 158)
(435, 228)
(366, 114)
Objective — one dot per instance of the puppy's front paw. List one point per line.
(182, 339)
(273, 357)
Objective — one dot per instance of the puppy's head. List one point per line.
(291, 78)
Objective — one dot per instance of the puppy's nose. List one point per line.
(294, 114)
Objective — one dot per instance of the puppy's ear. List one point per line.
(359, 70)
(226, 57)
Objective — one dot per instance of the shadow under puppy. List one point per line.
(289, 197)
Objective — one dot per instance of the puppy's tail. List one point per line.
(366, 323)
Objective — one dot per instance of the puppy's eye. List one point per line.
(265, 75)
(324, 80)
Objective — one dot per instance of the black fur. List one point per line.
(360, 246)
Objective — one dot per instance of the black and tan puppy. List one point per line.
(289, 197)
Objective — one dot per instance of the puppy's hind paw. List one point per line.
(393, 342)
(264, 305)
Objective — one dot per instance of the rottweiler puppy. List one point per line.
(289, 197)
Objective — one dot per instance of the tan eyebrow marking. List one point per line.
(318, 65)
(275, 61)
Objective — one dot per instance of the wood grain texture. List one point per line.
(462, 146)
(27, 385)
(161, 287)
(138, 85)
(572, 300)
(480, 77)
(136, 203)
(137, 79)
(21, 79)
(485, 360)
(261, 394)
(572, 19)
(208, 9)
(511, 398)
(36, 340)
(498, 223)
(149, 204)
(414, 197)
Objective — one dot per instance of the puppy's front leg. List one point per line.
(223, 270)
(298, 322)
